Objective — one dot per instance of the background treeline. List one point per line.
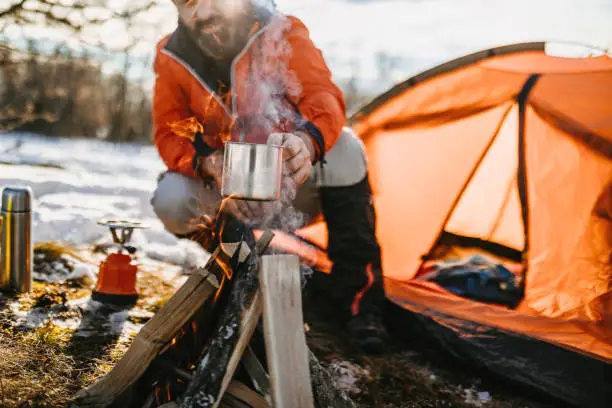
(68, 94)
(54, 90)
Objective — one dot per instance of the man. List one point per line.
(243, 69)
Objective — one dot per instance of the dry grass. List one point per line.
(34, 367)
(45, 366)
(154, 293)
(54, 250)
(100, 366)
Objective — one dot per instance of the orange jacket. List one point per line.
(271, 90)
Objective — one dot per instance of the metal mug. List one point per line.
(16, 239)
(252, 171)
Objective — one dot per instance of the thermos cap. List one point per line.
(16, 199)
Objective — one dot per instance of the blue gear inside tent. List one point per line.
(478, 278)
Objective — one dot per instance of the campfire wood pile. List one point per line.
(210, 347)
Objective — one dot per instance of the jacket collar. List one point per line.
(209, 73)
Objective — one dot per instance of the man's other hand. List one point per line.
(252, 212)
(212, 166)
(298, 154)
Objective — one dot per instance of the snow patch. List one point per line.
(63, 269)
(477, 398)
(120, 325)
(72, 323)
(31, 319)
(76, 183)
(346, 376)
(85, 317)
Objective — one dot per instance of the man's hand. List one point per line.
(252, 212)
(212, 166)
(249, 212)
(298, 155)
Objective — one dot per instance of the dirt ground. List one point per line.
(409, 376)
(56, 341)
(412, 373)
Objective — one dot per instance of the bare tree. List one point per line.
(52, 85)
(71, 14)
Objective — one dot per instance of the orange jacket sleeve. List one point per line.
(320, 102)
(170, 105)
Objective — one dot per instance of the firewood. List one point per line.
(286, 350)
(237, 315)
(249, 323)
(257, 372)
(217, 366)
(162, 366)
(229, 401)
(228, 250)
(237, 322)
(151, 339)
(238, 392)
(325, 394)
(247, 327)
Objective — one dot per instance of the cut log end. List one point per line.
(286, 349)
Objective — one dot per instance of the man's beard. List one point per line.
(226, 42)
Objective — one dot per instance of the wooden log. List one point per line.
(237, 322)
(155, 335)
(240, 314)
(286, 350)
(229, 401)
(239, 391)
(322, 389)
(258, 374)
(247, 327)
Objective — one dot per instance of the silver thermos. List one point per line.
(16, 239)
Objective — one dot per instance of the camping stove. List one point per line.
(117, 273)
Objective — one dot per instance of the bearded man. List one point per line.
(241, 68)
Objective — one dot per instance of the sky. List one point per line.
(427, 32)
(418, 33)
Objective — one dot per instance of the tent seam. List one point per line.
(587, 137)
(468, 181)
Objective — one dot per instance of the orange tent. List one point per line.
(506, 153)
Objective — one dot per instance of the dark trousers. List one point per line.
(355, 284)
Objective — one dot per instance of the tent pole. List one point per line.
(521, 99)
